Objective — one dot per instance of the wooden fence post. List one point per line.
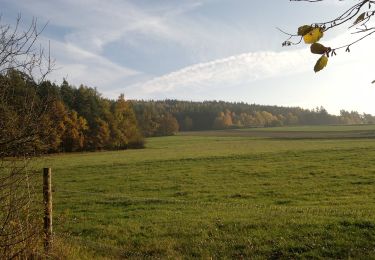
(47, 199)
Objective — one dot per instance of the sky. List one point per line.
(201, 50)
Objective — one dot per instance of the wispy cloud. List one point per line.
(88, 27)
(200, 49)
(80, 66)
(231, 71)
(93, 24)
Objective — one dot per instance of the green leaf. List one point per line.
(321, 63)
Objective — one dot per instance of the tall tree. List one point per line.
(102, 134)
(124, 128)
(57, 125)
(74, 134)
(168, 125)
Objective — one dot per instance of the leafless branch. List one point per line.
(359, 15)
(22, 63)
(18, 50)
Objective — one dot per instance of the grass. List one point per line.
(296, 132)
(316, 128)
(221, 197)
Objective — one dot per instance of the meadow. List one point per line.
(221, 195)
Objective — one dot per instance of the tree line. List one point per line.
(62, 118)
(169, 116)
(65, 118)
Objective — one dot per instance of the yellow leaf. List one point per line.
(313, 36)
(321, 63)
(304, 29)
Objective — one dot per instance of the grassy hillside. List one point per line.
(221, 197)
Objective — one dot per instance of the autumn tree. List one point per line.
(57, 121)
(124, 128)
(223, 120)
(168, 125)
(356, 19)
(247, 120)
(73, 138)
(102, 135)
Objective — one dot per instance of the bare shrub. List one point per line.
(23, 65)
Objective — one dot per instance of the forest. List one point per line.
(174, 115)
(66, 118)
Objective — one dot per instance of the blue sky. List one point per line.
(200, 50)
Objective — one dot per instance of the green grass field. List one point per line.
(317, 128)
(297, 132)
(219, 196)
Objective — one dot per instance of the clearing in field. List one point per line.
(222, 195)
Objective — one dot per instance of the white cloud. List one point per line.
(230, 71)
(284, 78)
(83, 67)
(95, 23)
(89, 26)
